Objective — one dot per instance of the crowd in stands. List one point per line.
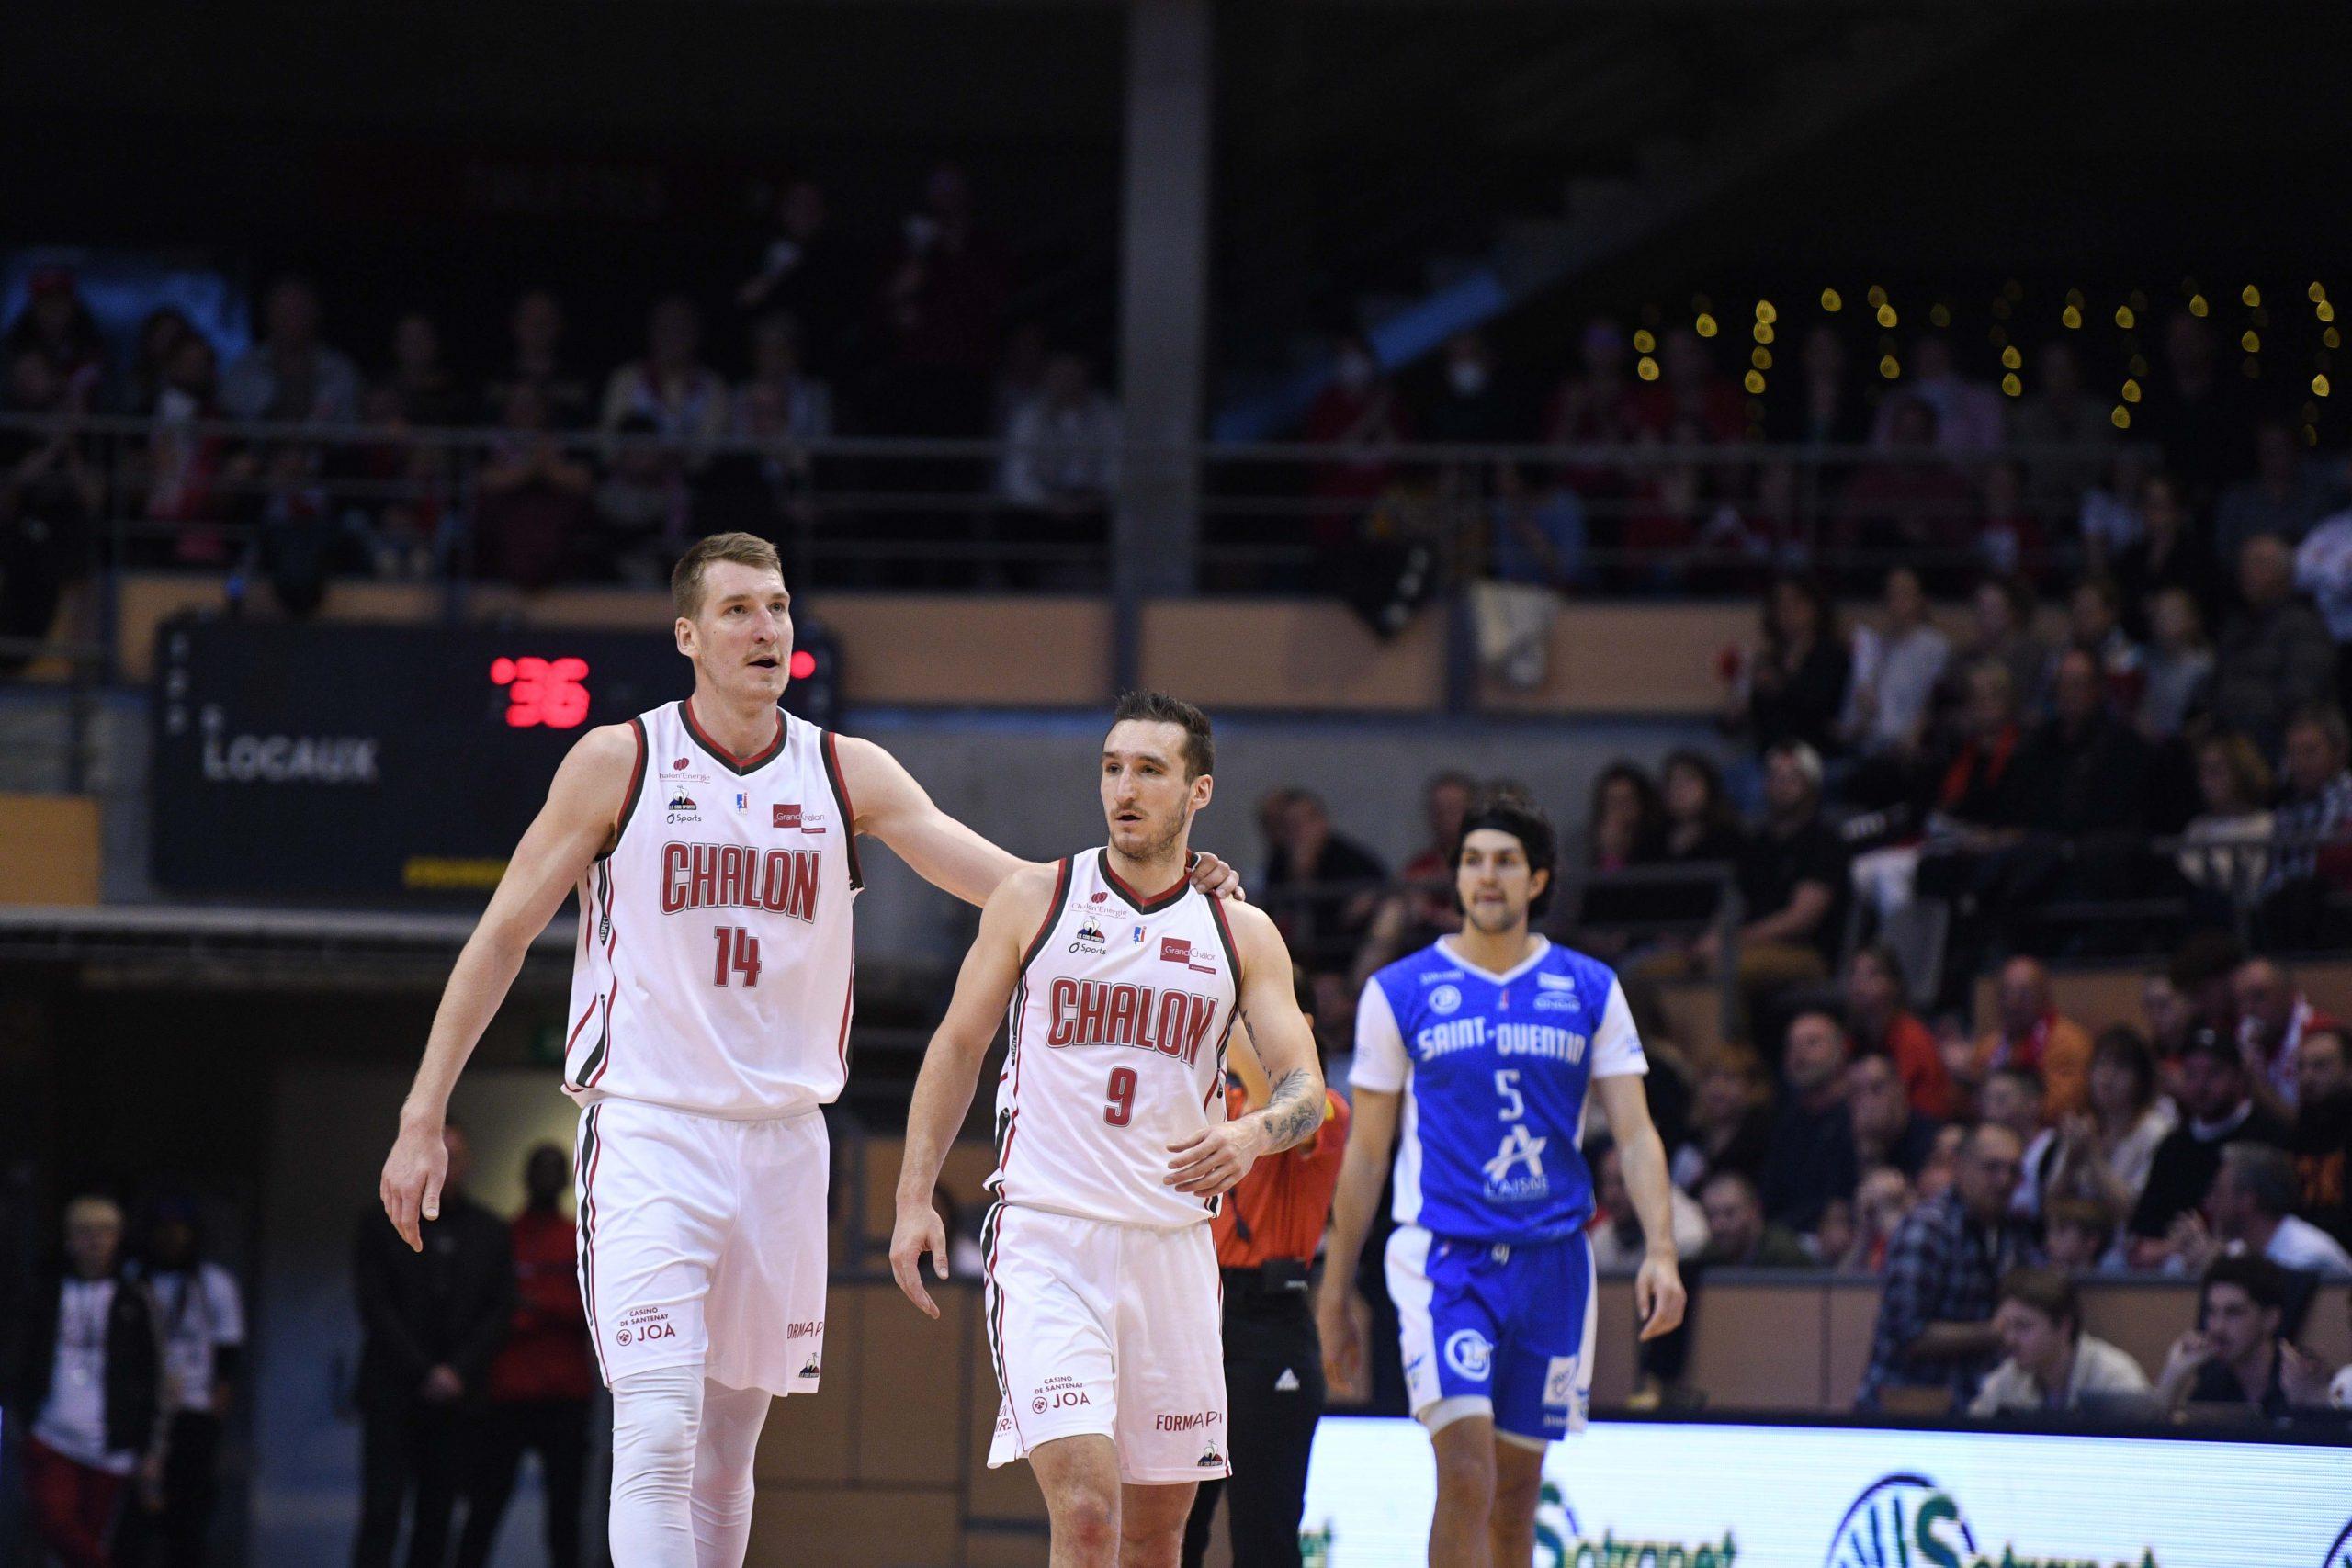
(1850, 1120)
(584, 471)
(1929, 466)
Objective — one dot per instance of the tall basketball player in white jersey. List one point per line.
(1124, 983)
(711, 844)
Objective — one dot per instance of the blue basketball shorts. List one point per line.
(1507, 1327)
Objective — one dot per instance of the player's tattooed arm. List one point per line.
(1294, 1109)
(1280, 1034)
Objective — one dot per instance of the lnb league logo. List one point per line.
(1902, 1522)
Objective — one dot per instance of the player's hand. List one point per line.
(1215, 1160)
(410, 1185)
(919, 1231)
(1335, 1324)
(1659, 1296)
(1216, 878)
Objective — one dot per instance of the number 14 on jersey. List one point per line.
(739, 954)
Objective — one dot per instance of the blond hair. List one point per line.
(744, 549)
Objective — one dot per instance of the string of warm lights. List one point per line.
(2010, 318)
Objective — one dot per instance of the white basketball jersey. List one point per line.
(1117, 1034)
(714, 967)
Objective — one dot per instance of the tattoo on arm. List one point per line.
(1291, 1112)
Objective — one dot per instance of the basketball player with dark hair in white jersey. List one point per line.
(1112, 1147)
(711, 842)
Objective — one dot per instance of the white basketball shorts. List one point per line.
(1112, 1329)
(702, 1242)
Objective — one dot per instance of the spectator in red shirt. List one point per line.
(1691, 388)
(540, 1383)
(1360, 413)
(1879, 1019)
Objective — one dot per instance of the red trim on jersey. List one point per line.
(585, 1014)
(1143, 906)
(849, 996)
(828, 749)
(588, 1237)
(635, 783)
(1053, 913)
(996, 1326)
(740, 764)
(606, 1064)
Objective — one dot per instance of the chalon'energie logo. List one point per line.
(1908, 1521)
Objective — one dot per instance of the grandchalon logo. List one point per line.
(1907, 1521)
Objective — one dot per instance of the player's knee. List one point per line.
(1465, 1474)
(657, 1420)
(1086, 1521)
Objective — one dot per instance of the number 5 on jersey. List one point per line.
(738, 953)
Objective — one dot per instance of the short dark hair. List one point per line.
(2205, 1041)
(2250, 1271)
(2203, 958)
(2266, 1174)
(2128, 1049)
(2048, 1291)
(1508, 811)
(1740, 1179)
(1158, 707)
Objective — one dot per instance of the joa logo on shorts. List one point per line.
(1468, 1352)
(1560, 1542)
(1907, 1521)
(1057, 1394)
(642, 1326)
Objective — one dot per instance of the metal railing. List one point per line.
(289, 503)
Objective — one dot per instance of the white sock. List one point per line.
(657, 1419)
(732, 1418)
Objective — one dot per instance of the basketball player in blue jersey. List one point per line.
(1485, 1046)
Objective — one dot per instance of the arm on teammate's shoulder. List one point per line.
(891, 805)
(1280, 1036)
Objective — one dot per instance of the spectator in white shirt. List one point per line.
(2049, 1363)
(86, 1389)
(685, 399)
(1062, 443)
(1895, 671)
(1968, 415)
(2273, 1012)
(2250, 1210)
(202, 1316)
(290, 375)
(2324, 570)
